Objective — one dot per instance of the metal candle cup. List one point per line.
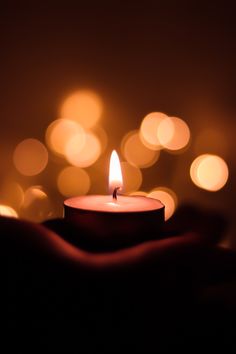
(114, 221)
(107, 223)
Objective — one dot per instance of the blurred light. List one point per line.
(167, 197)
(209, 172)
(136, 153)
(140, 193)
(83, 106)
(33, 193)
(148, 130)
(37, 206)
(85, 156)
(165, 131)
(60, 131)
(211, 140)
(30, 157)
(102, 137)
(173, 133)
(115, 174)
(73, 181)
(8, 211)
(132, 177)
(12, 193)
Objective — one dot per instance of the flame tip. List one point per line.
(115, 175)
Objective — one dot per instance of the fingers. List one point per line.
(210, 224)
(24, 236)
(188, 249)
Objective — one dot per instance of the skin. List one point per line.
(186, 272)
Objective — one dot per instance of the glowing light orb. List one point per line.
(173, 133)
(136, 153)
(167, 197)
(132, 177)
(60, 131)
(209, 172)
(83, 106)
(37, 206)
(33, 193)
(85, 156)
(101, 134)
(11, 193)
(73, 181)
(140, 193)
(148, 130)
(30, 157)
(8, 211)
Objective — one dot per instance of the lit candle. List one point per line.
(115, 220)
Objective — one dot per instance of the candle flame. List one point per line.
(115, 174)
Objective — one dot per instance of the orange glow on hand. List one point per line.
(115, 174)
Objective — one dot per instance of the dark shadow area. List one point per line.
(162, 295)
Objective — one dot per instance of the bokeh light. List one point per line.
(148, 129)
(86, 155)
(209, 172)
(8, 211)
(167, 197)
(30, 157)
(83, 106)
(73, 181)
(101, 134)
(60, 131)
(132, 177)
(37, 206)
(136, 153)
(140, 193)
(11, 193)
(33, 193)
(173, 133)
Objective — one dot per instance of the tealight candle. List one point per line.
(111, 221)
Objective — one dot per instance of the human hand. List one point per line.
(188, 236)
(157, 279)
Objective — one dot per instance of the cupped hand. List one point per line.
(154, 287)
(189, 239)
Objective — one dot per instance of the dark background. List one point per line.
(172, 56)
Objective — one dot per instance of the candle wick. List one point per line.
(114, 194)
